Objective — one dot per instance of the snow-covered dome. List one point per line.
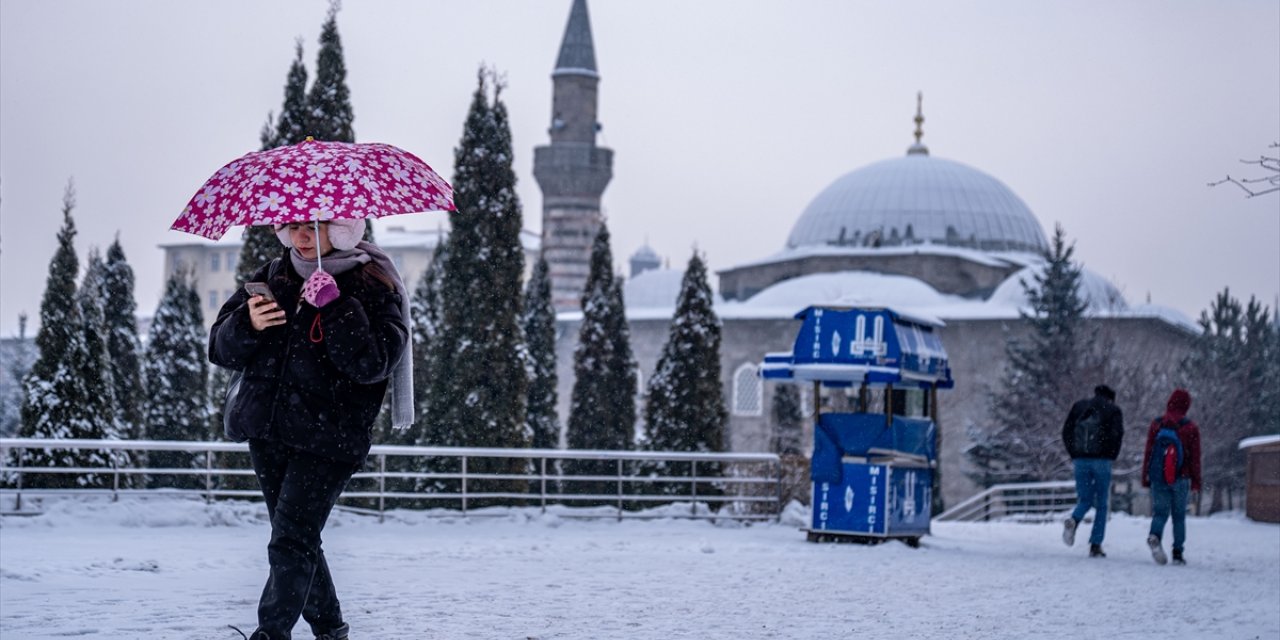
(1101, 295)
(851, 288)
(922, 198)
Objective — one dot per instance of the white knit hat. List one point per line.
(343, 234)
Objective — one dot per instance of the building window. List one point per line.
(215, 259)
(213, 299)
(747, 392)
(231, 260)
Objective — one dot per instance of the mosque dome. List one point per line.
(915, 199)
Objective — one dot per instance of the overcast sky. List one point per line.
(726, 117)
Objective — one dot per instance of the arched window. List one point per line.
(747, 392)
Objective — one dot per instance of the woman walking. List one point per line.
(316, 350)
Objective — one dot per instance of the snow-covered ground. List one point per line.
(175, 568)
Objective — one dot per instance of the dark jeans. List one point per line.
(300, 490)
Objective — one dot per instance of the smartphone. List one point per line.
(259, 289)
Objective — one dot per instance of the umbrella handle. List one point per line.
(319, 266)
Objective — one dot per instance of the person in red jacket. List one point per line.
(1171, 498)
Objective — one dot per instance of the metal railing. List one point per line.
(1036, 500)
(748, 487)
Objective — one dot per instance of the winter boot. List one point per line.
(1177, 557)
(1095, 551)
(336, 634)
(1156, 552)
(1069, 531)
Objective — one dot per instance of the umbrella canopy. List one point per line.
(314, 181)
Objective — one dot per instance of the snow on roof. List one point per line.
(994, 259)
(933, 198)
(1168, 314)
(652, 296)
(844, 289)
(1258, 441)
(655, 288)
(1101, 295)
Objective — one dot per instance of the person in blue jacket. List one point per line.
(316, 362)
(1092, 433)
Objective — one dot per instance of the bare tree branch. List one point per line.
(1272, 182)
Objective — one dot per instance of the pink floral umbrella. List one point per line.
(314, 181)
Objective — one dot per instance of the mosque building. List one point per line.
(916, 233)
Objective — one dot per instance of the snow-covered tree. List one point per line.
(539, 324)
(120, 311)
(329, 111)
(18, 364)
(684, 402)
(602, 411)
(175, 374)
(291, 126)
(94, 366)
(1048, 369)
(1232, 373)
(426, 307)
(57, 403)
(476, 393)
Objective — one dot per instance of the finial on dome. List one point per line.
(919, 148)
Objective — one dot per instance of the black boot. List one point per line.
(1177, 557)
(1095, 551)
(340, 633)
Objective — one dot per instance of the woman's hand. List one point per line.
(264, 313)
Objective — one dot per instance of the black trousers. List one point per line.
(300, 490)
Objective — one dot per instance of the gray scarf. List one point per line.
(340, 261)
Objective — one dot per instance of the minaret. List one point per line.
(572, 171)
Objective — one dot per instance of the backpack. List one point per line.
(1166, 454)
(1088, 431)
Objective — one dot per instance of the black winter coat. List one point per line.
(313, 385)
(1110, 435)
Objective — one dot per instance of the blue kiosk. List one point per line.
(872, 472)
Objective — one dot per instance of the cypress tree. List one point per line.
(120, 311)
(477, 393)
(98, 410)
(19, 364)
(175, 373)
(788, 420)
(426, 308)
(260, 242)
(787, 413)
(329, 112)
(602, 405)
(1046, 373)
(684, 402)
(57, 329)
(57, 402)
(539, 325)
(291, 127)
